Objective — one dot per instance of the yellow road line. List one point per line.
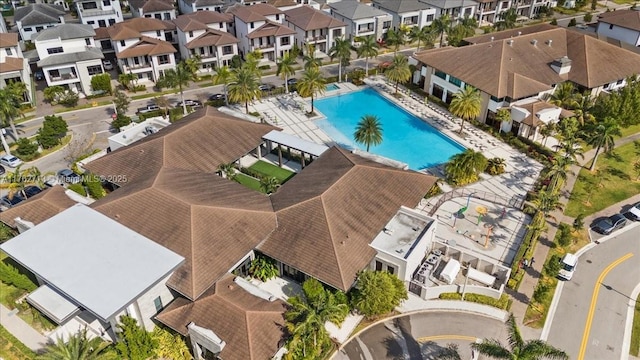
(447, 337)
(594, 300)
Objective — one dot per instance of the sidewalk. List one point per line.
(21, 330)
(531, 277)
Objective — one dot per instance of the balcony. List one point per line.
(264, 46)
(136, 67)
(96, 12)
(208, 56)
(316, 38)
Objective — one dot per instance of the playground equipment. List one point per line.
(482, 211)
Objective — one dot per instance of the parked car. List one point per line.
(10, 161)
(68, 176)
(192, 103)
(216, 97)
(147, 109)
(634, 212)
(2, 170)
(8, 203)
(610, 224)
(292, 81)
(107, 65)
(266, 87)
(32, 190)
(568, 266)
(39, 75)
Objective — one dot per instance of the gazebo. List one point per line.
(305, 147)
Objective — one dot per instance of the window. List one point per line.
(285, 41)
(27, 29)
(55, 50)
(163, 59)
(430, 18)
(252, 25)
(89, 5)
(378, 266)
(167, 16)
(102, 23)
(611, 27)
(277, 16)
(90, 22)
(94, 70)
(9, 52)
(455, 81)
(121, 42)
(106, 2)
(157, 302)
(221, 25)
(158, 16)
(391, 269)
(87, 41)
(190, 33)
(441, 75)
(495, 99)
(39, 28)
(201, 51)
(112, 22)
(337, 33)
(157, 32)
(386, 24)
(147, 16)
(227, 50)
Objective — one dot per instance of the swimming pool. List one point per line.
(405, 137)
(332, 87)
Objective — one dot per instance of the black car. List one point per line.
(216, 97)
(32, 190)
(68, 176)
(612, 223)
(266, 87)
(292, 81)
(39, 75)
(10, 202)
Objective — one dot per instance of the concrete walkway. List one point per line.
(21, 330)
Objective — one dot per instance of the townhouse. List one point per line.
(33, 18)
(260, 27)
(408, 13)
(158, 9)
(99, 13)
(189, 6)
(362, 20)
(13, 66)
(204, 34)
(315, 27)
(69, 57)
(488, 11)
(623, 25)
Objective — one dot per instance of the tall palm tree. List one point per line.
(79, 347)
(368, 49)
(162, 102)
(341, 50)
(399, 70)
(602, 137)
(178, 79)
(583, 106)
(422, 35)
(395, 38)
(466, 104)
(546, 131)
(245, 86)
(507, 20)
(560, 167)
(310, 59)
(311, 83)
(564, 96)
(224, 76)
(504, 116)
(546, 202)
(11, 97)
(517, 348)
(193, 64)
(285, 69)
(441, 26)
(368, 131)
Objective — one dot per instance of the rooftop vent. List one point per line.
(534, 42)
(561, 65)
(510, 42)
(519, 33)
(549, 42)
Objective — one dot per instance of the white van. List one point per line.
(568, 266)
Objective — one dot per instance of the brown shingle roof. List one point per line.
(152, 5)
(282, 3)
(308, 18)
(211, 37)
(251, 327)
(102, 33)
(534, 108)
(147, 46)
(245, 14)
(270, 29)
(8, 40)
(39, 208)
(629, 19)
(510, 33)
(523, 69)
(265, 9)
(133, 28)
(200, 19)
(11, 64)
(330, 212)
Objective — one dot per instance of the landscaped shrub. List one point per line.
(120, 121)
(587, 17)
(53, 129)
(572, 22)
(377, 293)
(101, 82)
(69, 99)
(263, 269)
(435, 190)
(94, 186)
(495, 166)
(139, 88)
(564, 235)
(553, 266)
(12, 276)
(78, 188)
(503, 302)
(27, 149)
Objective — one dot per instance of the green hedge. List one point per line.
(503, 303)
(78, 188)
(11, 276)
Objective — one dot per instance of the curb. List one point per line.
(626, 340)
(552, 311)
(51, 153)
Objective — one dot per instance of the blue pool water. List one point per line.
(405, 137)
(332, 87)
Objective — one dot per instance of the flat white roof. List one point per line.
(295, 142)
(402, 233)
(54, 305)
(92, 260)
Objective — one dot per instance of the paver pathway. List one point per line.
(21, 330)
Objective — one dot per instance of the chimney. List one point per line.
(562, 65)
(534, 42)
(549, 42)
(510, 42)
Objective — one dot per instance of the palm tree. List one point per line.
(564, 96)
(245, 86)
(504, 116)
(127, 79)
(162, 102)
(399, 70)
(224, 76)
(546, 202)
(466, 104)
(285, 69)
(602, 137)
(19, 179)
(310, 59)
(546, 131)
(253, 61)
(394, 38)
(178, 78)
(79, 347)
(441, 26)
(422, 34)
(311, 83)
(368, 49)
(368, 131)
(450, 352)
(560, 167)
(227, 171)
(269, 184)
(518, 349)
(583, 106)
(341, 50)
(507, 20)
(193, 64)
(11, 97)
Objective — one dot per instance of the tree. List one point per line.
(285, 69)
(245, 86)
(163, 103)
(507, 20)
(559, 170)
(504, 116)
(495, 166)
(583, 107)
(310, 59)
(588, 17)
(369, 131)
(134, 342)
(465, 28)
(636, 169)
(546, 202)
(79, 347)
(120, 121)
(227, 171)
(121, 101)
(517, 348)
(450, 352)
(441, 26)
(170, 346)
(377, 293)
(224, 76)
(263, 269)
(253, 61)
(463, 168)
(311, 83)
(269, 184)
(572, 22)
(16, 181)
(368, 49)
(128, 80)
(422, 35)
(564, 95)
(602, 137)
(178, 78)
(53, 93)
(399, 70)
(622, 104)
(53, 129)
(341, 50)
(394, 38)
(26, 148)
(578, 222)
(101, 82)
(193, 64)
(466, 104)
(11, 97)
(546, 131)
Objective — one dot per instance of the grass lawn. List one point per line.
(248, 181)
(12, 349)
(271, 170)
(536, 313)
(635, 330)
(630, 130)
(591, 194)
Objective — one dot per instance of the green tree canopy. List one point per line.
(134, 342)
(377, 293)
(53, 129)
(79, 347)
(341, 50)
(224, 76)
(311, 83)
(463, 168)
(602, 137)
(286, 69)
(178, 78)
(368, 49)
(245, 86)
(466, 104)
(399, 70)
(101, 82)
(369, 131)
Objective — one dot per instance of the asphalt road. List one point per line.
(422, 336)
(590, 319)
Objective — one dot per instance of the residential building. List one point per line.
(3, 25)
(33, 18)
(455, 9)
(283, 4)
(623, 25)
(37, 209)
(135, 131)
(362, 20)
(143, 48)
(13, 66)
(189, 6)
(69, 57)
(204, 34)
(260, 27)
(99, 13)
(315, 27)
(516, 66)
(408, 12)
(159, 9)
